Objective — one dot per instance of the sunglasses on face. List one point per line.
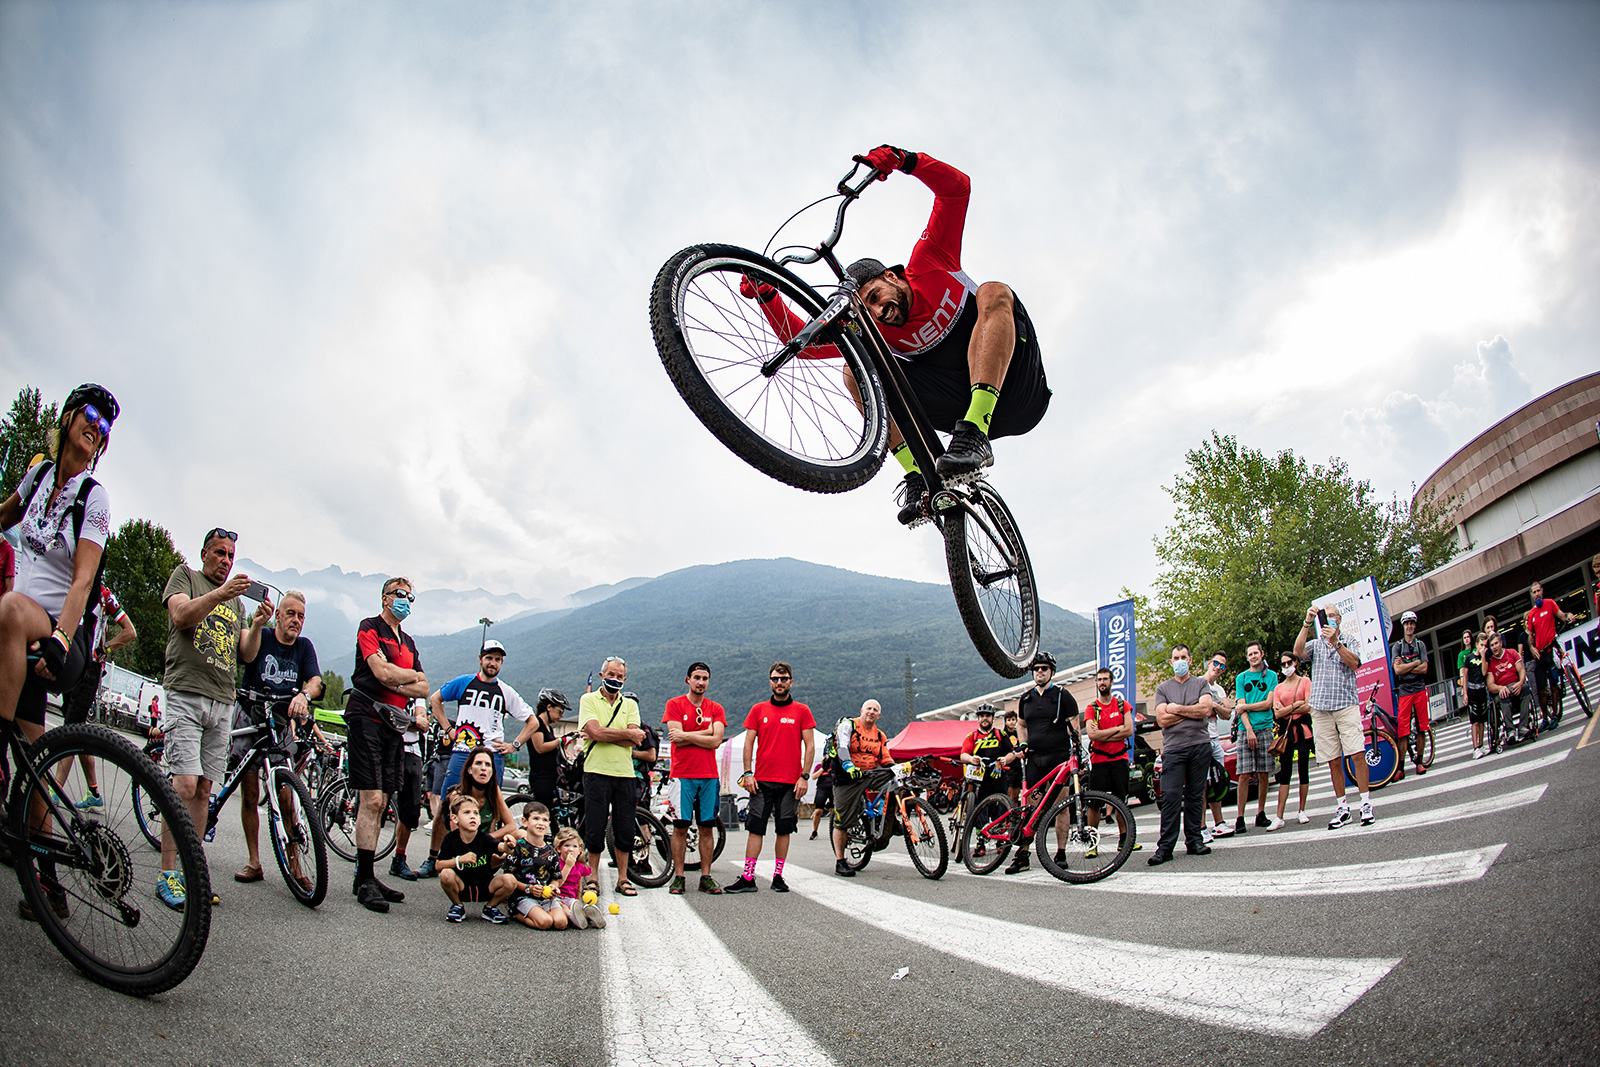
(778, 678)
(97, 420)
(402, 595)
(1042, 667)
(1221, 665)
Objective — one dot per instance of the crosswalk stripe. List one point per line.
(1288, 996)
(1420, 872)
(675, 996)
(1386, 824)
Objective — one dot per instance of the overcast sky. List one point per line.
(370, 280)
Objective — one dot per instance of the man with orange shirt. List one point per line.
(864, 760)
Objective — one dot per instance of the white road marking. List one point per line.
(1385, 823)
(1421, 872)
(1287, 996)
(675, 996)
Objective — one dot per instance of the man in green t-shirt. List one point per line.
(1252, 690)
(609, 723)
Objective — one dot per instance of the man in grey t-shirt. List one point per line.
(1183, 704)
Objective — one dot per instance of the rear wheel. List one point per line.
(1423, 739)
(930, 853)
(803, 425)
(1383, 760)
(992, 579)
(337, 809)
(650, 857)
(1079, 853)
(992, 827)
(90, 881)
(145, 813)
(298, 841)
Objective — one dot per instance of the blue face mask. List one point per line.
(1180, 669)
(612, 684)
(401, 607)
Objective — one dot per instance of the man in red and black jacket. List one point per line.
(969, 349)
(388, 672)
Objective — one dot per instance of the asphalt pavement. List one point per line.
(1461, 928)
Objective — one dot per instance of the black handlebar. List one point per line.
(849, 193)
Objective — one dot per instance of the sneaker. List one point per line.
(1366, 814)
(1302, 818)
(744, 885)
(677, 886)
(909, 497)
(1341, 816)
(1136, 846)
(1421, 769)
(427, 869)
(840, 867)
(91, 802)
(779, 885)
(1263, 819)
(1222, 829)
(1239, 826)
(370, 894)
(575, 917)
(1061, 857)
(456, 913)
(170, 891)
(401, 869)
(492, 914)
(709, 885)
(1206, 835)
(1093, 853)
(1274, 823)
(1019, 864)
(813, 835)
(58, 904)
(594, 916)
(967, 455)
(1480, 752)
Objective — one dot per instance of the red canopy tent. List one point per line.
(940, 737)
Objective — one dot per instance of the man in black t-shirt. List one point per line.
(1049, 729)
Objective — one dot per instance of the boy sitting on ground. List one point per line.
(466, 862)
(530, 875)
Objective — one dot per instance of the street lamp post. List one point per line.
(487, 622)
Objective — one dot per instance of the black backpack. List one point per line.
(91, 608)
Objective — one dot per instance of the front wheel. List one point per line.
(1423, 739)
(930, 852)
(1074, 851)
(298, 841)
(992, 827)
(650, 855)
(820, 422)
(1583, 697)
(992, 579)
(87, 876)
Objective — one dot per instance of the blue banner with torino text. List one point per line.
(1115, 647)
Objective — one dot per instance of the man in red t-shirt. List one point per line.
(694, 726)
(1507, 678)
(1541, 623)
(779, 743)
(1108, 723)
(969, 350)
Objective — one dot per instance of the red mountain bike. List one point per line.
(812, 409)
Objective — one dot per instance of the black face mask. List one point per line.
(613, 685)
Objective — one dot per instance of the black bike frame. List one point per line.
(266, 741)
(43, 847)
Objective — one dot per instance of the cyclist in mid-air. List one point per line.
(970, 351)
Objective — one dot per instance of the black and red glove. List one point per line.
(752, 291)
(53, 653)
(886, 157)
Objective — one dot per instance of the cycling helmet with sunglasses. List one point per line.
(98, 395)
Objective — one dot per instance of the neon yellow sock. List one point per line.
(981, 410)
(902, 452)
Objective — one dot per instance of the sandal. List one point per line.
(626, 889)
(248, 873)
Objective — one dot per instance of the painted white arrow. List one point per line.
(1420, 872)
(1288, 996)
(675, 996)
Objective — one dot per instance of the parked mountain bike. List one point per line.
(1382, 750)
(894, 807)
(1054, 814)
(972, 780)
(297, 834)
(86, 875)
(811, 407)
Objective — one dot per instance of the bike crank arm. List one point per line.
(802, 340)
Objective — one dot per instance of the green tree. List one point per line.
(332, 691)
(139, 558)
(1256, 537)
(24, 433)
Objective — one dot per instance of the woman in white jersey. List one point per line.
(65, 518)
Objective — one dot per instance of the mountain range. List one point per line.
(847, 635)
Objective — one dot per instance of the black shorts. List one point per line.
(944, 388)
(824, 795)
(472, 893)
(1039, 767)
(374, 752)
(435, 773)
(79, 700)
(1477, 705)
(775, 801)
(31, 701)
(408, 798)
(1110, 777)
(609, 799)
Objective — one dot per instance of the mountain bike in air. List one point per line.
(812, 408)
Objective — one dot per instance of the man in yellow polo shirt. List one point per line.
(609, 723)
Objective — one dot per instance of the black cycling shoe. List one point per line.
(1018, 865)
(968, 454)
(371, 896)
(910, 496)
(1203, 850)
(842, 869)
(393, 896)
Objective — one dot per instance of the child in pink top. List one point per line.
(569, 845)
